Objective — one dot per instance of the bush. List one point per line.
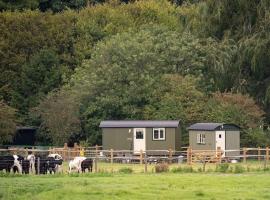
(222, 167)
(163, 167)
(239, 169)
(125, 170)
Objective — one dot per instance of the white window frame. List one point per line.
(200, 138)
(159, 138)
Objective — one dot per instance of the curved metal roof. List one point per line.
(139, 124)
(213, 126)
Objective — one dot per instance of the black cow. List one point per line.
(6, 163)
(25, 166)
(41, 165)
(87, 164)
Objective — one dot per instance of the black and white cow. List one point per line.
(11, 163)
(58, 160)
(80, 164)
(44, 165)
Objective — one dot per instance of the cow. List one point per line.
(87, 164)
(25, 166)
(9, 163)
(31, 158)
(76, 164)
(58, 160)
(49, 164)
(41, 165)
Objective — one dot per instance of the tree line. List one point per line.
(65, 70)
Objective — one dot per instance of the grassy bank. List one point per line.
(137, 186)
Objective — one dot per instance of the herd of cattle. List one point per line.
(43, 165)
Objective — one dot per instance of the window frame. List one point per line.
(159, 138)
(201, 138)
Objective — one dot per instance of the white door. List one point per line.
(139, 140)
(220, 141)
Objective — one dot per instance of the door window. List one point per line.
(139, 134)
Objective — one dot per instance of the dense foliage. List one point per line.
(193, 60)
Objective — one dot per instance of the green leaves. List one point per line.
(7, 122)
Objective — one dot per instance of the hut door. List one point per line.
(139, 140)
(220, 141)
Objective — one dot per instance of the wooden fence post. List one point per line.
(267, 154)
(26, 151)
(96, 157)
(111, 156)
(38, 165)
(189, 155)
(141, 156)
(75, 152)
(219, 154)
(259, 154)
(245, 155)
(65, 152)
(145, 163)
(170, 156)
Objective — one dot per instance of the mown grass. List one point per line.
(137, 186)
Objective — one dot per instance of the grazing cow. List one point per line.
(87, 164)
(76, 164)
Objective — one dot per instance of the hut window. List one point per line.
(158, 133)
(200, 138)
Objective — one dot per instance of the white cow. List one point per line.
(76, 164)
(31, 158)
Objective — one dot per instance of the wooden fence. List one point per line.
(187, 154)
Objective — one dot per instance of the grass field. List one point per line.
(137, 186)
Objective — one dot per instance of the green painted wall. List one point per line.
(166, 144)
(117, 138)
(232, 142)
(210, 140)
(178, 141)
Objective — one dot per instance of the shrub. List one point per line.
(238, 169)
(125, 170)
(222, 167)
(163, 167)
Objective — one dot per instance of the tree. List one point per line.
(59, 113)
(234, 108)
(121, 77)
(176, 97)
(18, 4)
(7, 123)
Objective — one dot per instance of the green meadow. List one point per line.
(244, 186)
